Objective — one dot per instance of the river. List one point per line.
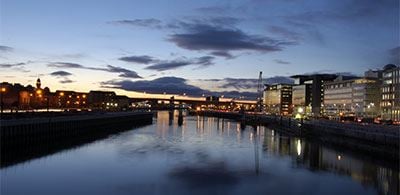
(203, 155)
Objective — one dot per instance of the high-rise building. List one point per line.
(352, 97)
(316, 94)
(278, 99)
(390, 91)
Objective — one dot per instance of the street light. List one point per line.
(3, 91)
(300, 110)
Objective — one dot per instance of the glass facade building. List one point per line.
(278, 99)
(390, 92)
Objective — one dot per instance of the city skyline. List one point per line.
(185, 46)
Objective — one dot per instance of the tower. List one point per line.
(38, 83)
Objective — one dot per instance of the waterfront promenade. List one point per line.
(41, 134)
(60, 124)
(382, 140)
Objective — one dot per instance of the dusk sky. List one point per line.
(191, 46)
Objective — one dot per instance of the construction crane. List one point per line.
(260, 89)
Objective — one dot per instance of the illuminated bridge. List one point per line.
(164, 101)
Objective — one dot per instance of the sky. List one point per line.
(192, 47)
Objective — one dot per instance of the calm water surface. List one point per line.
(203, 156)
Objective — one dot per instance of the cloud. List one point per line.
(109, 68)
(63, 76)
(168, 65)
(61, 73)
(239, 84)
(251, 84)
(219, 35)
(4, 48)
(225, 54)
(281, 61)
(66, 65)
(355, 13)
(66, 80)
(124, 72)
(8, 65)
(284, 32)
(205, 60)
(334, 72)
(144, 59)
(229, 87)
(171, 85)
(150, 22)
(278, 79)
(174, 64)
(395, 55)
(20, 67)
(218, 38)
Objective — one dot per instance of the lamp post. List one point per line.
(61, 100)
(3, 91)
(301, 111)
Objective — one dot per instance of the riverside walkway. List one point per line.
(35, 135)
(374, 133)
(62, 125)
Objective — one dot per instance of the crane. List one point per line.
(260, 93)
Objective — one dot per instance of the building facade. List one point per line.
(390, 91)
(71, 99)
(278, 99)
(102, 99)
(301, 99)
(352, 98)
(316, 94)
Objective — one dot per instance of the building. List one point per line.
(71, 99)
(316, 95)
(102, 99)
(278, 99)
(123, 102)
(301, 99)
(9, 95)
(390, 91)
(357, 97)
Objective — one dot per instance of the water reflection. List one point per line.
(202, 155)
(319, 158)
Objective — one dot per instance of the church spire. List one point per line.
(38, 83)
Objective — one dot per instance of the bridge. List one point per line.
(195, 102)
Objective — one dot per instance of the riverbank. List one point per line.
(381, 140)
(20, 130)
(28, 138)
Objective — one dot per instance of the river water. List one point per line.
(203, 155)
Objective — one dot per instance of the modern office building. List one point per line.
(316, 95)
(390, 91)
(278, 99)
(301, 99)
(358, 97)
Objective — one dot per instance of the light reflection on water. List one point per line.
(202, 156)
